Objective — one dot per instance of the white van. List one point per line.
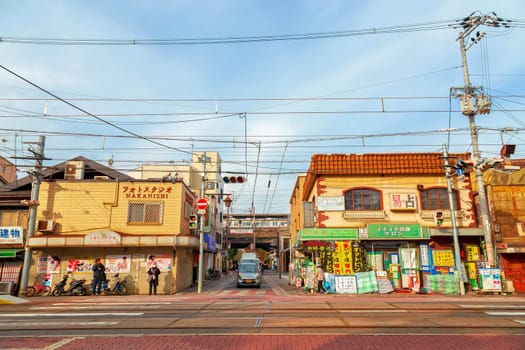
(249, 273)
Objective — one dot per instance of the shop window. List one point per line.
(145, 213)
(437, 198)
(363, 199)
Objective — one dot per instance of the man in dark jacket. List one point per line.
(99, 275)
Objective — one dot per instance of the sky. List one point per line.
(265, 105)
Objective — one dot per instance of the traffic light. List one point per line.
(234, 179)
(193, 222)
(463, 166)
(438, 218)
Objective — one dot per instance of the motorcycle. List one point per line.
(118, 288)
(76, 287)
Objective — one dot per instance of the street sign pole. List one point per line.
(201, 227)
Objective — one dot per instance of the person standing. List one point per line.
(99, 275)
(153, 278)
(319, 277)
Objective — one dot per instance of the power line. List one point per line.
(429, 26)
(86, 112)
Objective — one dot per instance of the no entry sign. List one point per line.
(202, 204)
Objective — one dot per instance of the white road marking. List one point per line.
(43, 324)
(506, 313)
(61, 343)
(519, 321)
(68, 314)
(104, 307)
(372, 310)
(112, 303)
(485, 306)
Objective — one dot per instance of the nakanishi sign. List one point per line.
(147, 192)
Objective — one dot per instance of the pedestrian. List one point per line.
(153, 278)
(99, 275)
(319, 277)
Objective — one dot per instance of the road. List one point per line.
(276, 316)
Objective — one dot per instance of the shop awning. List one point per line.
(9, 253)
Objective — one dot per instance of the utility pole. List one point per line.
(455, 232)
(33, 204)
(203, 159)
(482, 106)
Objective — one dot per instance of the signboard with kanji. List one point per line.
(11, 235)
(393, 231)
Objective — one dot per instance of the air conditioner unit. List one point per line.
(101, 178)
(74, 170)
(46, 225)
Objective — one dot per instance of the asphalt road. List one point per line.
(276, 316)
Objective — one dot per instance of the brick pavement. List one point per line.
(266, 342)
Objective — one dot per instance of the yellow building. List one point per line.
(88, 211)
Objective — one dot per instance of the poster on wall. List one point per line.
(375, 261)
(80, 265)
(490, 279)
(408, 258)
(346, 284)
(118, 263)
(163, 261)
(48, 264)
(424, 257)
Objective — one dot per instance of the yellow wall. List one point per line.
(296, 209)
(78, 207)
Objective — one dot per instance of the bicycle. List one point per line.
(213, 274)
(38, 289)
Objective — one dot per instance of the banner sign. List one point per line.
(11, 235)
(330, 203)
(328, 234)
(392, 231)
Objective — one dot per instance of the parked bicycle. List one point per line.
(119, 287)
(212, 274)
(38, 289)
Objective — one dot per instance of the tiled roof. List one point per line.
(378, 164)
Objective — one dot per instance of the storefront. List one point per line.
(128, 255)
(390, 257)
(11, 258)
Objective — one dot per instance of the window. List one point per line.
(363, 199)
(437, 198)
(309, 214)
(145, 213)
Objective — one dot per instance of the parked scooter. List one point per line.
(76, 287)
(119, 287)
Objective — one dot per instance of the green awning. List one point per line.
(8, 253)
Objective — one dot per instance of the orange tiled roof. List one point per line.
(378, 164)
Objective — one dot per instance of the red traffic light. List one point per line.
(234, 179)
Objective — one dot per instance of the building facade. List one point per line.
(388, 213)
(506, 197)
(87, 211)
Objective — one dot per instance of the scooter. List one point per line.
(118, 288)
(76, 287)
